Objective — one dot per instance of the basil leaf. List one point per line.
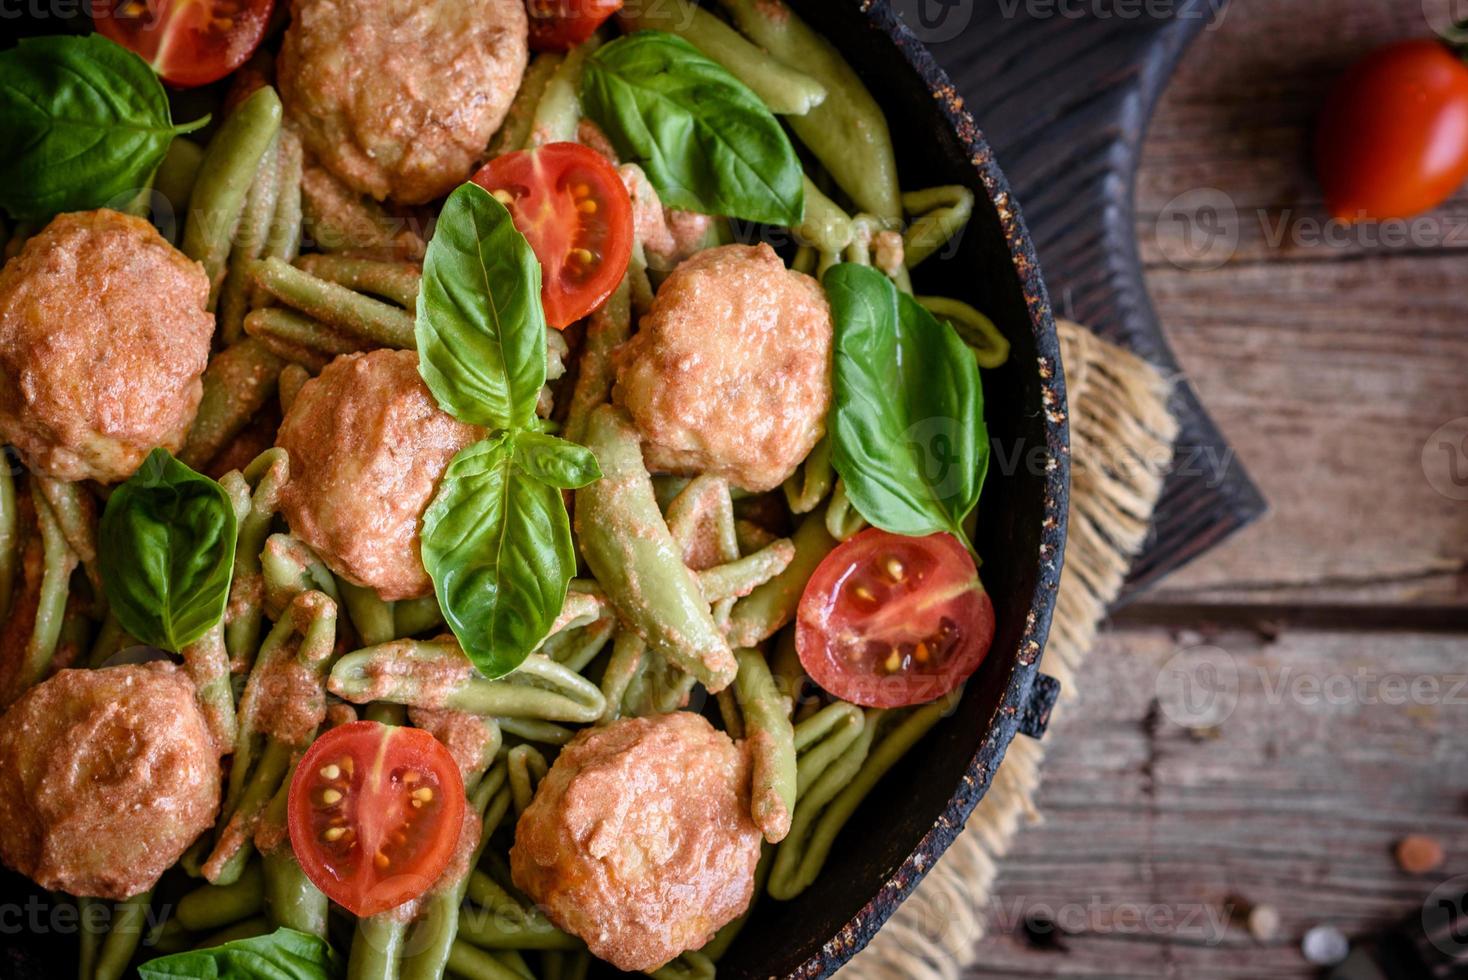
(284, 954)
(497, 543)
(706, 141)
(556, 462)
(907, 413)
(480, 327)
(166, 550)
(86, 123)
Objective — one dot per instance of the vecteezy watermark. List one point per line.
(1213, 10)
(935, 21)
(39, 916)
(1445, 459)
(1198, 687)
(1198, 229)
(1198, 922)
(1210, 463)
(1447, 18)
(1201, 687)
(1202, 229)
(1445, 918)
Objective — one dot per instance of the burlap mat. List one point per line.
(1121, 438)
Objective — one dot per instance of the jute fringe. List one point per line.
(1121, 436)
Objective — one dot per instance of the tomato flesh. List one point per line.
(560, 25)
(888, 620)
(188, 42)
(568, 201)
(375, 814)
(1392, 140)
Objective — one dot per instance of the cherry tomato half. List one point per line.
(375, 814)
(188, 42)
(571, 205)
(887, 620)
(1392, 140)
(560, 25)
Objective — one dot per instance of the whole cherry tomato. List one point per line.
(1392, 140)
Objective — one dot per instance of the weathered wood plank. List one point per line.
(1153, 829)
(1328, 362)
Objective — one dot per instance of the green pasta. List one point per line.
(943, 213)
(438, 675)
(59, 562)
(211, 907)
(129, 918)
(230, 164)
(336, 306)
(810, 484)
(75, 511)
(396, 281)
(237, 383)
(628, 547)
(771, 740)
(990, 347)
(514, 132)
(248, 242)
(559, 109)
(265, 478)
(760, 614)
(207, 663)
(847, 132)
(782, 88)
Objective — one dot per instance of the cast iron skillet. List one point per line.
(921, 805)
(918, 809)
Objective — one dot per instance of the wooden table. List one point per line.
(1330, 362)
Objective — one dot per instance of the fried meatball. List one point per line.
(639, 840)
(399, 98)
(367, 446)
(730, 372)
(106, 777)
(104, 337)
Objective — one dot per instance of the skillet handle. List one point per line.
(1034, 717)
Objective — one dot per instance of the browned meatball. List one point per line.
(368, 445)
(103, 341)
(106, 777)
(639, 840)
(399, 98)
(730, 371)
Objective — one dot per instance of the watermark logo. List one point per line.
(1447, 18)
(935, 443)
(1199, 687)
(1198, 229)
(1445, 918)
(1445, 459)
(935, 21)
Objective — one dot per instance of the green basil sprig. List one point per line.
(284, 954)
(907, 412)
(86, 122)
(496, 539)
(498, 545)
(481, 328)
(166, 551)
(706, 141)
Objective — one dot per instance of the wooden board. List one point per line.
(1328, 357)
(1153, 829)
(1063, 93)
